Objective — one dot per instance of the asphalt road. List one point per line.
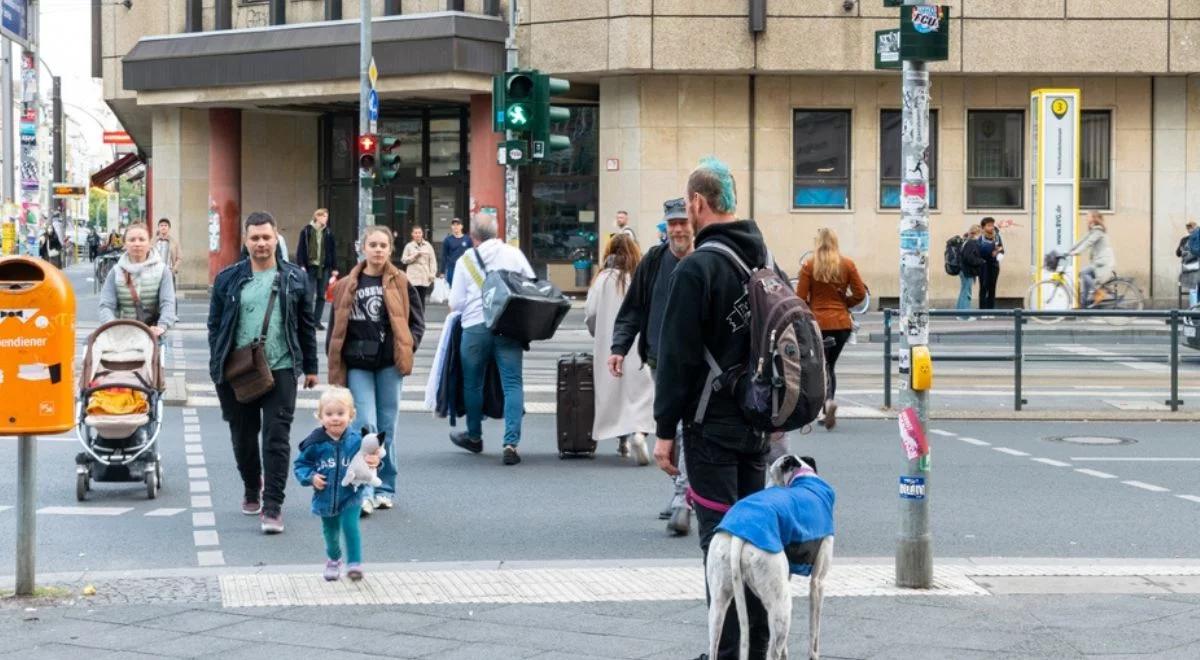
(987, 500)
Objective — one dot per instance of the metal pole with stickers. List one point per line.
(923, 37)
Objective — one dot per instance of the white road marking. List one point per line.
(189, 429)
(195, 459)
(1132, 459)
(193, 449)
(201, 501)
(204, 519)
(190, 411)
(84, 510)
(163, 513)
(205, 537)
(1190, 498)
(975, 441)
(197, 473)
(1095, 473)
(942, 433)
(4, 508)
(1145, 486)
(199, 487)
(1010, 452)
(1051, 461)
(210, 558)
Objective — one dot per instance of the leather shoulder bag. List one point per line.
(246, 369)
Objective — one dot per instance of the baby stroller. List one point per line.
(120, 406)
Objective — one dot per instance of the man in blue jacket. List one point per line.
(453, 247)
(241, 297)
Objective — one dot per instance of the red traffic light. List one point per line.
(367, 143)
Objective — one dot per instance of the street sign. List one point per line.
(925, 33)
(516, 152)
(67, 190)
(117, 137)
(887, 49)
(15, 22)
(372, 73)
(373, 105)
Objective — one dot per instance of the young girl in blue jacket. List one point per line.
(324, 457)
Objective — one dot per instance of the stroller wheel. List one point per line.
(152, 485)
(158, 471)
(81, 486)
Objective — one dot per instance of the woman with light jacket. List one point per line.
(420, 263)
(830, 284)
(139, 286)
(376, 323)
(1102, 261)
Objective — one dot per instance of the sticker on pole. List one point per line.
(912, 488)
(926, 19)
(912, 437)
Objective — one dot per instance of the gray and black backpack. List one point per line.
(781, 387)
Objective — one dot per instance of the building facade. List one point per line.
(793, 103)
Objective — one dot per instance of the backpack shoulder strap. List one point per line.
(714, 372)
(474, 272)
(717, 246)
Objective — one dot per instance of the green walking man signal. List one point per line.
(521, 105)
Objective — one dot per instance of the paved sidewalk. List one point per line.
(981, 609)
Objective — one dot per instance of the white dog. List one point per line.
(794, 512)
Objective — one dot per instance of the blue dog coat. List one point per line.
(796, 518)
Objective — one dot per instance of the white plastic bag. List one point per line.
(440, 293)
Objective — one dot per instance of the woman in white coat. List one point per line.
(624, 406)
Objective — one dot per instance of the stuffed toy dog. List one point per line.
(763, 539)
(359, 473)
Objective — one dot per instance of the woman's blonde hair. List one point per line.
(336, 394)
(380, 229)
(827, 260)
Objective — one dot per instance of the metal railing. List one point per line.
(1172, 317)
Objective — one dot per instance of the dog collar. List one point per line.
(801, 472)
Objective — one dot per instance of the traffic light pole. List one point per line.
(512, 175)
(914, 547)
(364, 64)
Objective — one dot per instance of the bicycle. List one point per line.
(1057, 292)
(104, 264)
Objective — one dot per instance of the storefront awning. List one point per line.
(441, 42)
(115, 169)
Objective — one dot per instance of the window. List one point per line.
(1095, 171)
(890, 159)
(995, 159)
(821, 159)
(562, 193)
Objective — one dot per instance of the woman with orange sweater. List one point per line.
(830, 284)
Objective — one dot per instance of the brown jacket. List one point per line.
(830, 302)
(395, 298)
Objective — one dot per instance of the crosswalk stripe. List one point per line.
(1095, 473)
(1010, 452)
(163, 513)
(1145, 486)
(83, 510)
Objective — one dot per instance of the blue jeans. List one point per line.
(479, 346)
(966, 283)
(343, 524)
(377, 400)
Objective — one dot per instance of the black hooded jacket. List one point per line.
(707, 307)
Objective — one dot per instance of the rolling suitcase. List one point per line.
(576, 406)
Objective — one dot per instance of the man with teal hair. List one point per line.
(708, 309)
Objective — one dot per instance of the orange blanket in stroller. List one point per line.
(117, 401)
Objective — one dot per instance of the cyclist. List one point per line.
(1102, 260)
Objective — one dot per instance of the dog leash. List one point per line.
(694, 498)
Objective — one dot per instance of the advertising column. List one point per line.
(1054, 200)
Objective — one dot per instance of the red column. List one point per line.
(150, 195)
(487, 178)
(224, 187)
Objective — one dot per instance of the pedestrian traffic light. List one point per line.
(389, 157)
(519, 101)
(368, 145)
(547, 115)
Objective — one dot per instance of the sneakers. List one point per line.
(623, 447)
(665, 514)
(830, 414)
(251, 507)
(383, 502)
(354, 572)
(271, 522)
(639, 449)
(681, 521)
(473, 445)
(333, 570)
(511, 457)
(368, 506)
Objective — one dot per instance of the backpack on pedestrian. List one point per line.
(1193, 242)
(954, 248)
(781, 387)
